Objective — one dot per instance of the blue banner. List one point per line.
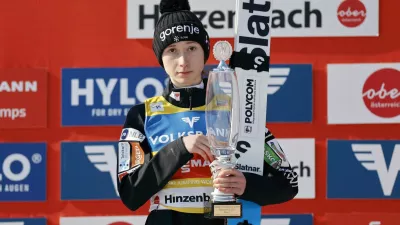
(88, 170)
(24, 221)
(363, 169)
(22, 172)
(103, 96)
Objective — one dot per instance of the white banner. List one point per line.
(253, 84)
(364, 93)
(301, 155)
(103, 220)
(290, 18)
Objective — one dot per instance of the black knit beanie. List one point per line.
(178, 23)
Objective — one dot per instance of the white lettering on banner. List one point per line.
(279, 221)
(289, 18)
(371, 157)
(167, 138)
(185, 28)
(278, 77)
(104, 159)
(382, 93)
(12, 113)
(131, 134)
(194, 163)
(219, 132)
(20, 176)
(349, 13)
(18, 86)
(191, 121)
(26, 167)
(107, 89)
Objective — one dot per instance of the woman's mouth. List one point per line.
(184, 73)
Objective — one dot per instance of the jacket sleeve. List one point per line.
(278, 184)
(140, 174)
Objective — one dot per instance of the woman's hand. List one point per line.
(230, 181)
(198, 144)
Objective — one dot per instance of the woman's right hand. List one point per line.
(198, 144)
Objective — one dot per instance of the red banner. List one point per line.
(23, 98)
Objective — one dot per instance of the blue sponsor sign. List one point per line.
(103, 96)
(98, 97)
(88, 170)
(363, 169)
(23, 221)
(290, 94)
(22, 172)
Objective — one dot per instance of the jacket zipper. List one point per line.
(190, 98)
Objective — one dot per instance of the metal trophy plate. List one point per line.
(222, 123)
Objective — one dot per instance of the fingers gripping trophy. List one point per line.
(222, 123)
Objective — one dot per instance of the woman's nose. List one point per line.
(183, 61)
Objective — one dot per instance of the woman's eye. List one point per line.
(172, 50)
(192, 48)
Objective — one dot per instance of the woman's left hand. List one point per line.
(230, 181)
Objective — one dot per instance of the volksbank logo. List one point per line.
(373, 165)
(371, 158)
(186, 198)
(97, 165)
(190, 29)
(167, 138)
(191, 121)
(278, 78)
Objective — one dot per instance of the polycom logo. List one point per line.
(351, 13)
(381, 93)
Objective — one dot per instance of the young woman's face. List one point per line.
(184, 63)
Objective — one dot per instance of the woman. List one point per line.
(164, 155)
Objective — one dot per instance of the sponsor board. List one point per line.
(362, 218)
(104, 220)
(301, 155)
(290, 18)
(364, 93)
(103, 97)
(23, 98)
(363, 169)
(22, 172)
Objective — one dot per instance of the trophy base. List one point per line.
(225, 210)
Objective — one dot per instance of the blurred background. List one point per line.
(70, 70)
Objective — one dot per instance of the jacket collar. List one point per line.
(190, 97)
